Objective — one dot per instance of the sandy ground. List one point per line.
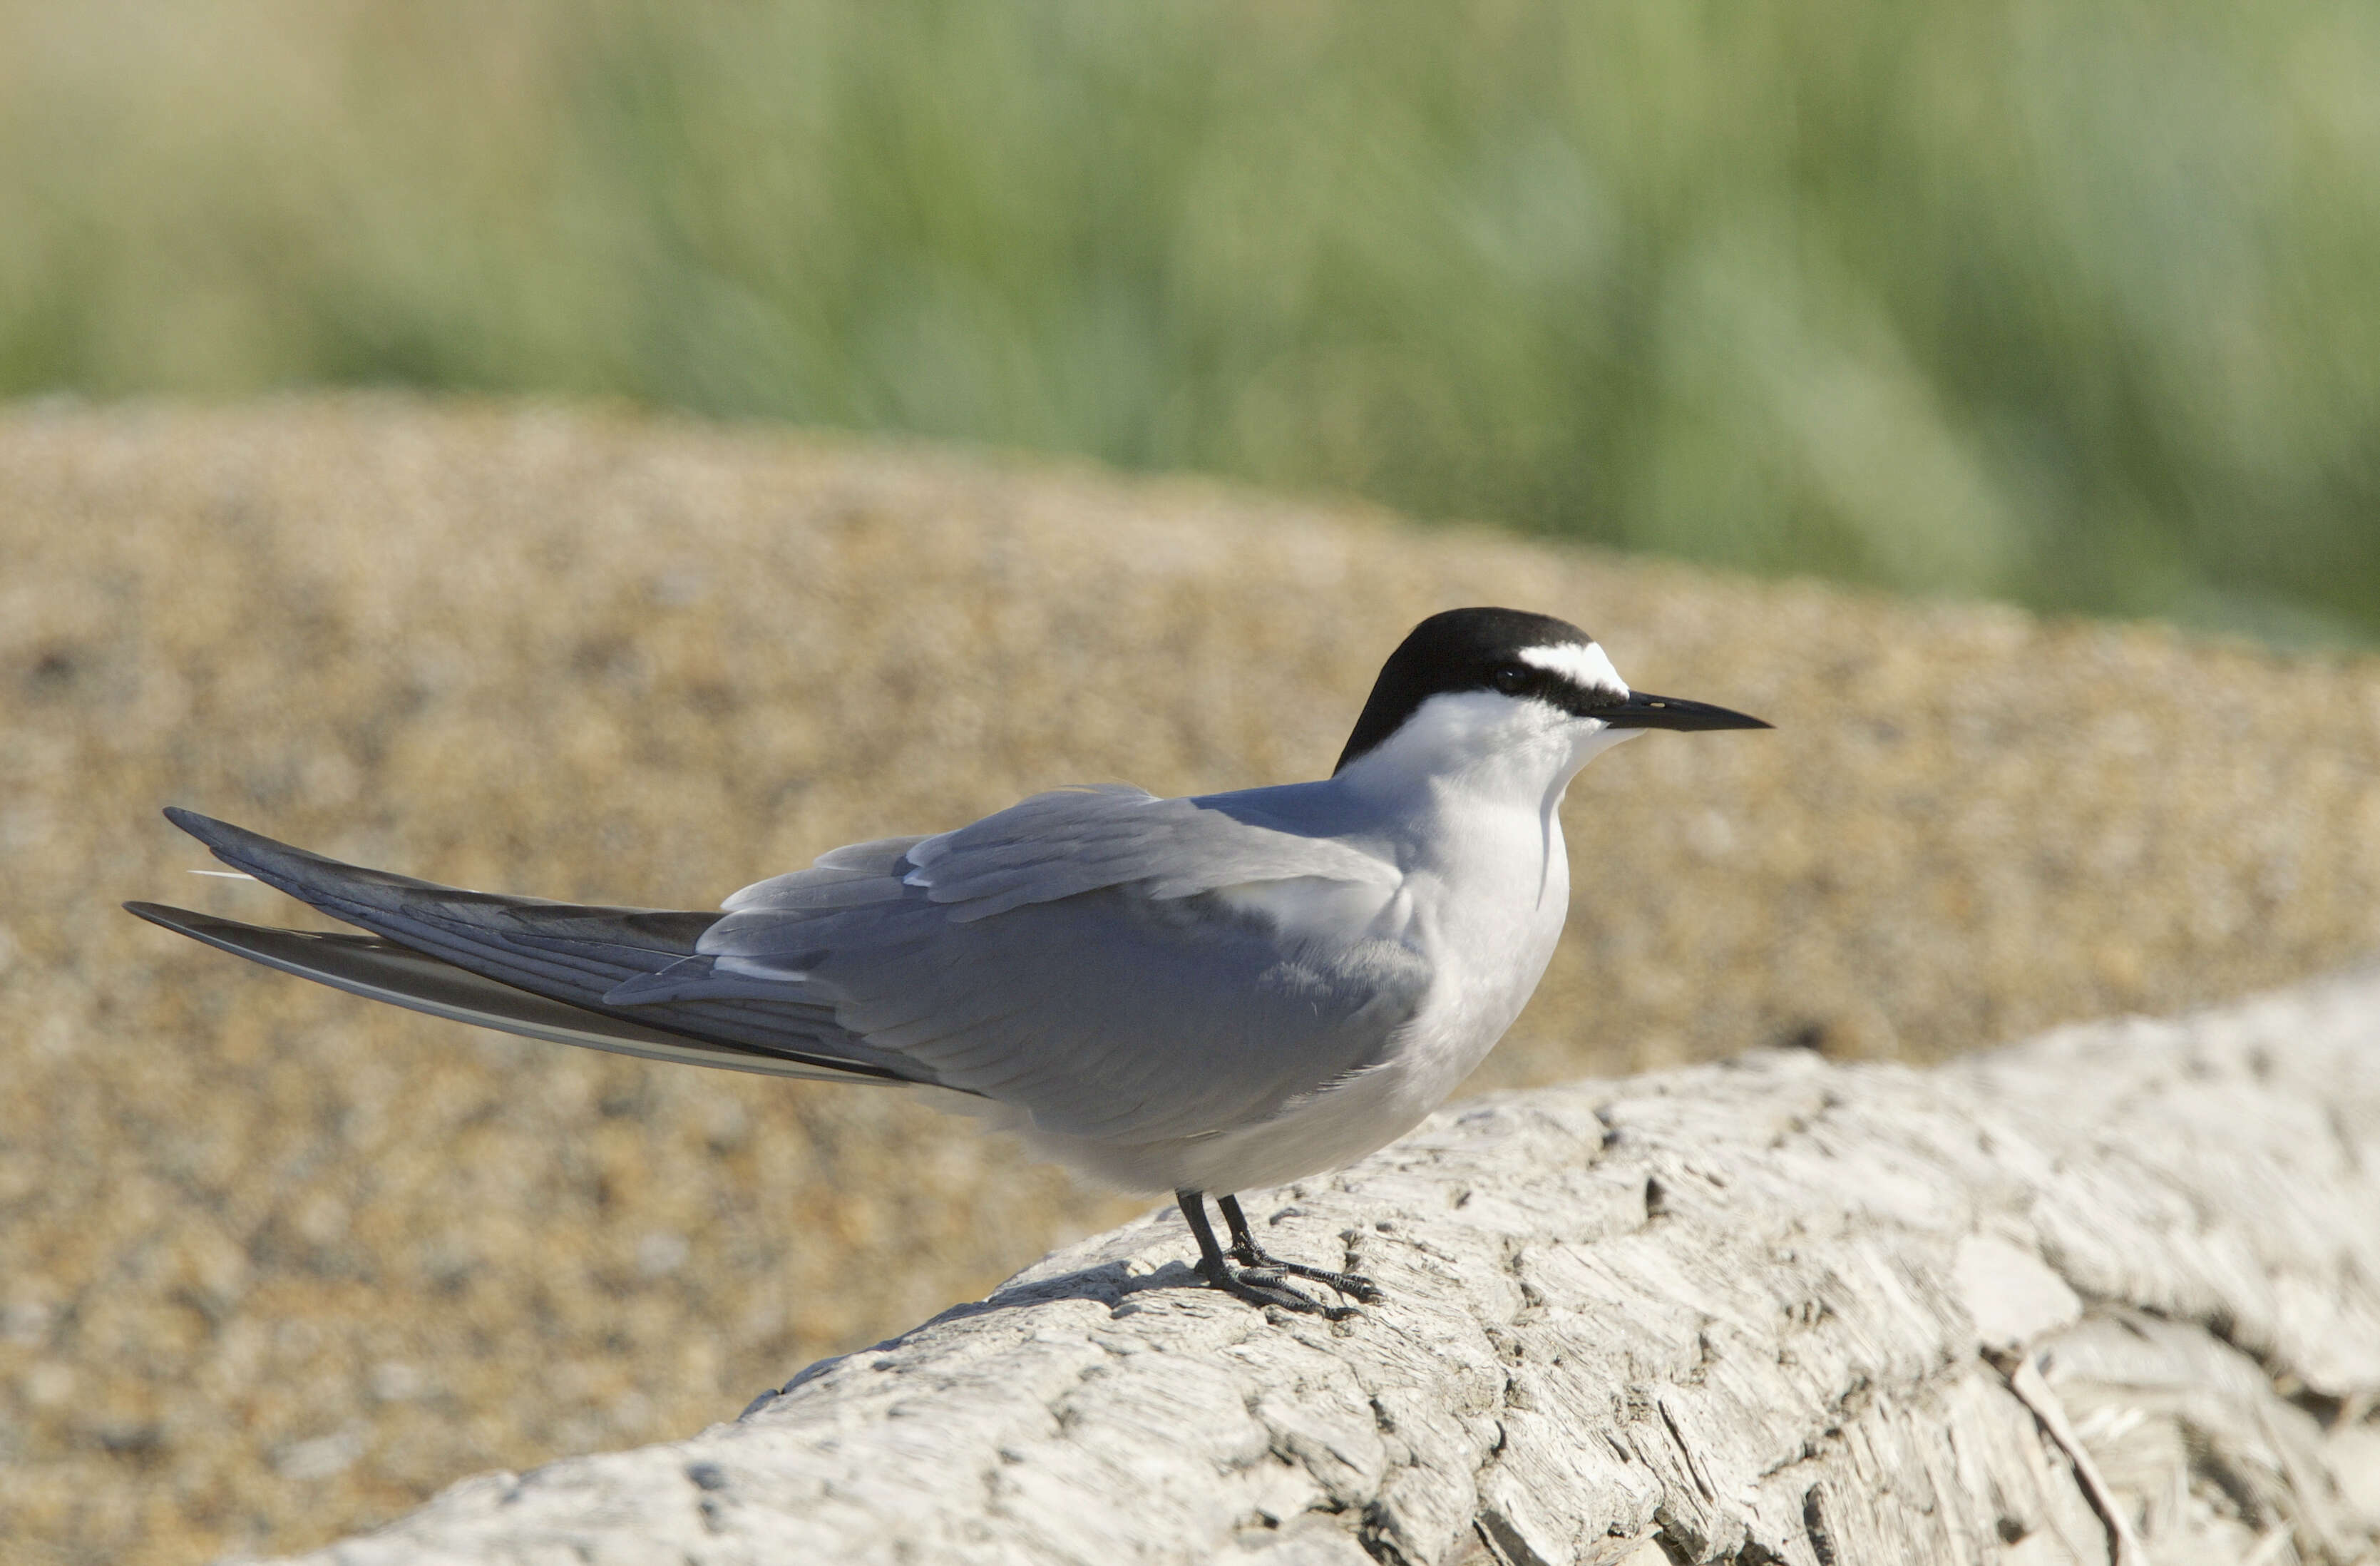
(275, 1262)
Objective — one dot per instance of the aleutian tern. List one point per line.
(1205, 994)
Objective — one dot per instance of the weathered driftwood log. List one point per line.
(2114, 1294)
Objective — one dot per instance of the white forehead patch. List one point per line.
(1584, 665)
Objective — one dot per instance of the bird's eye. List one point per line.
(1512, 679)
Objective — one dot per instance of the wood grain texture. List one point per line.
(2111, 1295)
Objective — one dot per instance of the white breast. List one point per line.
(1489, 916)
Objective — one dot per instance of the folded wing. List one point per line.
(1093, 957)
(1075, 840)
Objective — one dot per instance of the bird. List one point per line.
(1205, 994)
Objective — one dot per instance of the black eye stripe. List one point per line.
(1551, 686)
(1464, 649)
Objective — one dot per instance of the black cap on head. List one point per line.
(1468, 649)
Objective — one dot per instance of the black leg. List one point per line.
(1246, 1251)
(1253, 1286)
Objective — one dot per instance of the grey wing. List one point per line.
(1070, 955)
(1107, 1013)
(1083, 956)
(1071, 841)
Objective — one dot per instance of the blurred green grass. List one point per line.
(2077, 304)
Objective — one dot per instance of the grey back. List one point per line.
(1070, 955)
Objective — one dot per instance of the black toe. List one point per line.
(1262, 1287)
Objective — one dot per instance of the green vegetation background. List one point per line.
(2073, 303)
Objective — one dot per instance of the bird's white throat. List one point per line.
(1483, 745)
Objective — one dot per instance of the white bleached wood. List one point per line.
(1770, 1309)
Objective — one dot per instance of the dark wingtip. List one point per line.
(233, 845)
(164, 916)
(204, 827)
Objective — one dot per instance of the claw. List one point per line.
(1262, 1287)
(1354, 1285)
(1246, 1251)
(1260, 1280)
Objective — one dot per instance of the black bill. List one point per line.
(1645, 711)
